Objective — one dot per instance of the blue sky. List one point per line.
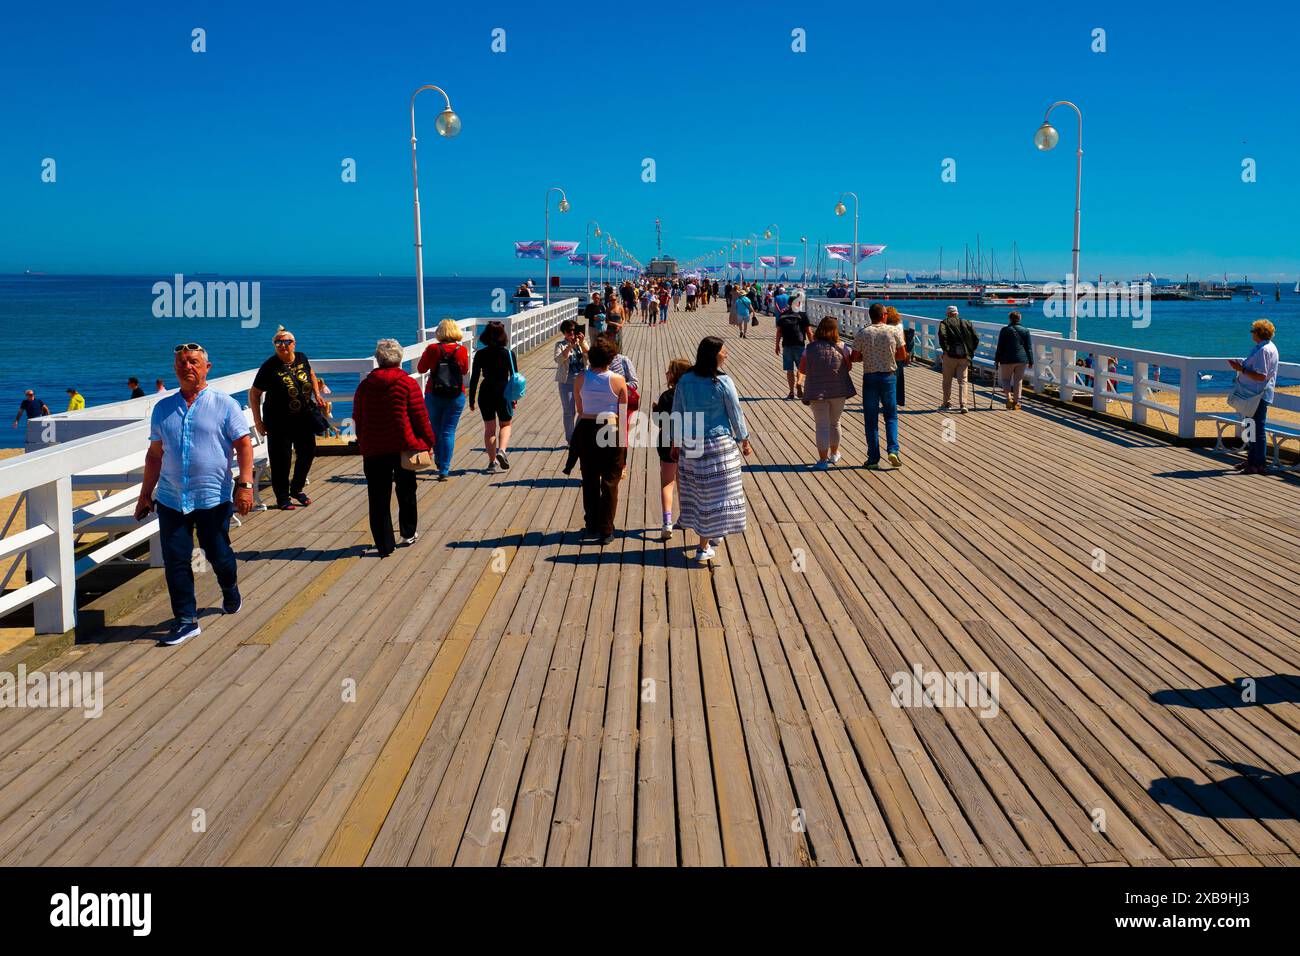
(229, 161)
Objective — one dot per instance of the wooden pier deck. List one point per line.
(502, 693)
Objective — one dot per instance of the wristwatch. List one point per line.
(245, 484)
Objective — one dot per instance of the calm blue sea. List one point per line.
(95, 331)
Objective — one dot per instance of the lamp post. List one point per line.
(754, 237)
(768, 235)
(448, 125)
(839, 211)
(803, 280)
(563, 207)
(590, 222)
(1046, 138)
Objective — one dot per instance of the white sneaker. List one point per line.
(704, 554)
(668, 532)
(405, 541)
(834, 459)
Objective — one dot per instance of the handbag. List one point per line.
(319, 420)
(517, 384)
(1244, 402)
(633, 398)
(753, 320)
(417, 460)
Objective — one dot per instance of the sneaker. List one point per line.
(402, 543)
(301, 499)
(1011, 405)
(442, 476)
(873, 466)
(287, 506)
(231, 601)
(790, 397)
(704, 554)
(965, 411)
(180, 632)
(835, 458)
(946, 405)
(895, 459)
(491, 469)
(501, 459)
(667, 532)
(823, 465)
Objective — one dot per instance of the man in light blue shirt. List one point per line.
(193, 436)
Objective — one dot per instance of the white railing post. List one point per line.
(1064, 373)
(1140, 393)
(1188, 381)
(54, 612)
(1099, 401)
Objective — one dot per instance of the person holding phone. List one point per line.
(570, 362)
(193, 434)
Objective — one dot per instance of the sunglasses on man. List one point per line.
(188, 347)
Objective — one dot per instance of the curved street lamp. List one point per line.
(767, 234)
(564, 207)
(448, 125)
(1045, 138)
(839, 211)
(804, 279)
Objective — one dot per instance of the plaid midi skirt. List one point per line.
(711, 490)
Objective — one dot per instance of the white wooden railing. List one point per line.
(102, 449)
(1056, 363)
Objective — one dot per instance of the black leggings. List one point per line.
(298, 435)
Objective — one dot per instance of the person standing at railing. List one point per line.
(958, 341)
(288, 418)
(76, 401)
(391, 423)
(1257, 375)
(879, 347)
(1015, 353)
(447, 362)
(493, 367)
(193, 434)
(32, 407)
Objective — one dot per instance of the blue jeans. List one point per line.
(880, 389)
(568, 408)
(444, 416)
(176, 533)
(1257, 453)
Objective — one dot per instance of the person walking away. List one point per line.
(1257, 374)
(691, 290)
(909, 336)
(282, 398)
(76, 402)
(600, 438)
(878, 347)
(709, 452)
(663, 409)
(793, 333)
(740, 313)
(664, 296)
(958, 342)
(570, 362)
(391, 422)
(1014, 353)
(828, 385)
(446, 361)
(32, 407)
(193, 435)
(492, 369)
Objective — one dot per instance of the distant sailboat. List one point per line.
(1297, 287)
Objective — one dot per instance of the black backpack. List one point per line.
(447, 380)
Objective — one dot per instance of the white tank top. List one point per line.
(597, 394)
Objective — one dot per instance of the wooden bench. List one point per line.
(1276, 434)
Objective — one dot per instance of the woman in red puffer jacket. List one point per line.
(390, 418)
